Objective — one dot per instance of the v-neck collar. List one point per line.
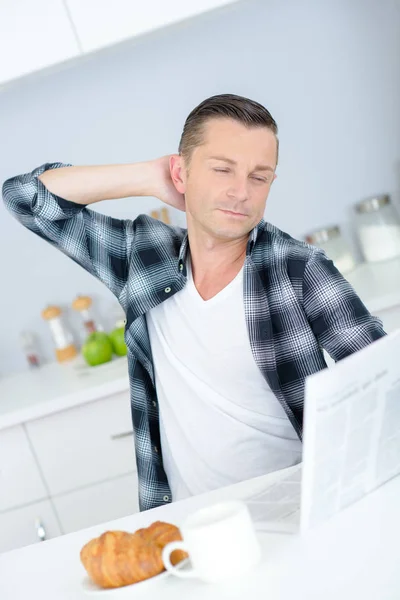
(220, 295)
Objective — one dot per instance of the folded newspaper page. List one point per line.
(351, 430)
(277, 507)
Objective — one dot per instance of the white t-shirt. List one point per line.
(220, 423)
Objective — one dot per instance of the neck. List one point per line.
(211, 256)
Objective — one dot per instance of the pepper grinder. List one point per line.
(82, 305)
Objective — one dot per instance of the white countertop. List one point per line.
(354, 556)
(54, 387)
(51, 388)
(377, 284)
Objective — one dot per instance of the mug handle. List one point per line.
(166, 558)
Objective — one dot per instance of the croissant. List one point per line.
(118, 558)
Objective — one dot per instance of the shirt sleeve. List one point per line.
(98, 243)
(340, 321)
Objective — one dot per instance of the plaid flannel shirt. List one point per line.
(296, 302)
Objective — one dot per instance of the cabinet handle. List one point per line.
(40, 530)
(118, 436)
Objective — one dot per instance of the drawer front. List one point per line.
(98, 503)
(86, 444)
(20, 480)
(24, 526)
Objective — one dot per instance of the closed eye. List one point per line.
(254, 177)
(262, 179)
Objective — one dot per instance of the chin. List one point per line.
(230, 232)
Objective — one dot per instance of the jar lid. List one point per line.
(51, 312)
(82, 303)
(372, 204)
(322, 235)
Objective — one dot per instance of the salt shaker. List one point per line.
(30, 347)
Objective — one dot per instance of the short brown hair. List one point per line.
(243, 110)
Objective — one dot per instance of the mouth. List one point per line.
(231, 213)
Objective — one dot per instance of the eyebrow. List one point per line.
(233, 162)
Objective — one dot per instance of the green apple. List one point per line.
(118, 341)
(97, 349)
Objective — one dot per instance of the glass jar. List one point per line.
(30, 347)
(83, 304)
(378, 227)
(65, 348)
(330, 239)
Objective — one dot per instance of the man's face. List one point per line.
(229, 178)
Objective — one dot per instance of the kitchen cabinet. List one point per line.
(67, 456)
(20, 480)
(85, 444)
(100, 23)
(34, 35)
(20, 527)
(92, 505)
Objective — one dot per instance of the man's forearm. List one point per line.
(86, 185)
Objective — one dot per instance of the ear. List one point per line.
(178, 172)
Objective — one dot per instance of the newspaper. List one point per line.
(351, 430)
(351, 441)
(277, 507)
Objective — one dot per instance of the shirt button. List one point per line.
(154, 403)
(166, 498)
(156, 449)
(167, 290)
(181, 267)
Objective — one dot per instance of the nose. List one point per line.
(238, 188)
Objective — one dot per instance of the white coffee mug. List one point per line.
(221, 543)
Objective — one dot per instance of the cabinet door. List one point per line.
(102, 22)
(24, 526)
(20, 480)
(98, 503)
(34, 35)
(86, 444)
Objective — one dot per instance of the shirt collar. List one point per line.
(183, 254)
(254, 235)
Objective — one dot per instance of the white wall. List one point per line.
(328, 72)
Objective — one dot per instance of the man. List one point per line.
(225, 320)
